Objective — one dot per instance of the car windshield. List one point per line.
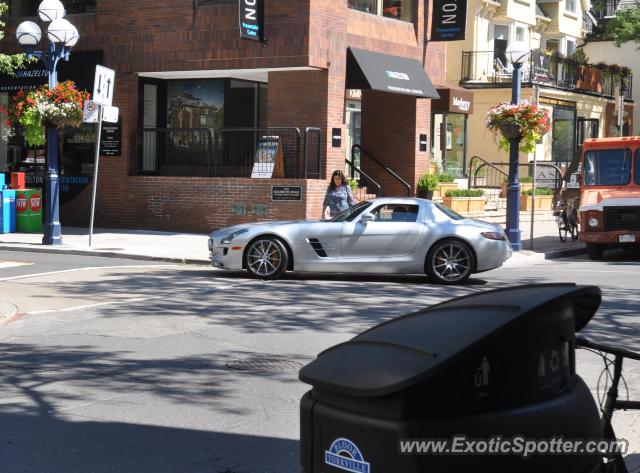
(450, 213)
(608, 167)
(351, 213)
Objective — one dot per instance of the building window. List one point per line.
(571, 47)
(398, 9)
(369, 6)
(21, 8)
(520, 32)
(570, 5)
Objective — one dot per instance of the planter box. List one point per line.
(543, 202)
(443, 187)
(524, 186)
(465, 205)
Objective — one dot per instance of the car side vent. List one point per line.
(317, 247)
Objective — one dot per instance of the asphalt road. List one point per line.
(124, 366)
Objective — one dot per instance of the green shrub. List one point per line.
(444, 177)
(353, 183)
(465, 193)
(427, 182)
(541, 191)
(526, 179)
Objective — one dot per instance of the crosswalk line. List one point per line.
(12, 264)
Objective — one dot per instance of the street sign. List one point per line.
(90, 112)
(110, 114)
(103, 85)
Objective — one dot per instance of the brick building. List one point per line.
(194, 98)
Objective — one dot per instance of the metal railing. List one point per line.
(236, 149)
(386, 168)
(225, 152)
(493, 177)
(368, 181)
(174, 151)
(480, 68)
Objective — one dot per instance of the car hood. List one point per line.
(257, 225)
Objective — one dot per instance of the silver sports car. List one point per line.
(385, 235)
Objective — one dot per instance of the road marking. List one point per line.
(90, 268)
(90, 306)
(12, 264)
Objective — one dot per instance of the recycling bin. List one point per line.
(29, 211)
(496, 365)
(7, 211)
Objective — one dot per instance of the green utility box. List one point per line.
(29, 210)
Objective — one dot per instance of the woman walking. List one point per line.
(338, 196)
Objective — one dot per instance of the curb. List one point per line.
(555, 254)
(106, 254)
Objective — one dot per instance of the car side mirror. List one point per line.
(366, 218)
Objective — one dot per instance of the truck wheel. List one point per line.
(594, 251)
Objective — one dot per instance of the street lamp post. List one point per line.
(62, 36)
(517, 53)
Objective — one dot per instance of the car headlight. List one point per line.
(593, 222)
(494, 236)
(226, 240)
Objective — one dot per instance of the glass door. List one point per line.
(455, 160)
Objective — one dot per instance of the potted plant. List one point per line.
(465, 200)
(33, 110)
(523, 121)
(426, 185)
(526, 183)
(543, 199)
(445, 183)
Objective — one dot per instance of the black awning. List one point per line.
(386, 73)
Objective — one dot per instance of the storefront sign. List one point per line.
(269, 161)
(111, 139)
(449, 20)
(286, 193)
(252, 19)
(79, 69)
(459, 104)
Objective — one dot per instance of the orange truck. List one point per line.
(610, 194)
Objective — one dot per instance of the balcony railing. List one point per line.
(486, 68)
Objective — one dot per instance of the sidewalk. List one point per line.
(189, 248)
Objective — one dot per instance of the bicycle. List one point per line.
(608, 404)
(567, 218)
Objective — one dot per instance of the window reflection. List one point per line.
(399, 9)
(369, 6)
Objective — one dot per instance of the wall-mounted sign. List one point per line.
(286, 193)
(111, 139)
(459, 103)
(268, 161)
(251, 16)
(449, 20)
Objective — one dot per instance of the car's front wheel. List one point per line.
(450, 262)
(266, 258)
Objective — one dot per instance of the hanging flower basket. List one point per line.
(36, 109)
(524, 121)
(509, 130)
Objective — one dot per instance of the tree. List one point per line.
(9, 62)
(625, 26)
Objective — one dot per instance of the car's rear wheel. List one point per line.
(266, 258)
(450, 262)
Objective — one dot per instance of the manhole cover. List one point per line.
(263, 363)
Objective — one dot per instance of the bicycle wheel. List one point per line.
(562, 227)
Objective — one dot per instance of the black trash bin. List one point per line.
(496, 365)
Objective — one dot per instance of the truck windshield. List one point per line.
(610, 167)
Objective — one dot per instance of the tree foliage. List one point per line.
(625, 26)
(9, 62)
